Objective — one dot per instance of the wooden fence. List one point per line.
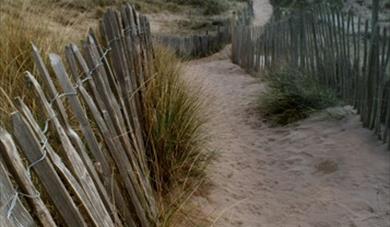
(344, 52)
(85, 165)
(197, 45)
(194, 46)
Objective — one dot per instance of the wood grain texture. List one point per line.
(51, 181)
(15, 164)
(18, 214)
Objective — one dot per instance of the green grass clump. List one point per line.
(293, 95)
(175, 120)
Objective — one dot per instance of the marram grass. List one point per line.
(292, 95)
(177, 141)
(175, 120)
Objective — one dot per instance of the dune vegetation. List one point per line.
(293, 95)
(176, 142)
(175, 118)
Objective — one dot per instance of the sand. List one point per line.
(322, 172)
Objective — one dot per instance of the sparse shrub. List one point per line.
(293, 95)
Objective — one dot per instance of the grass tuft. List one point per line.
(175, 120)
(293, 95)
(176, 139)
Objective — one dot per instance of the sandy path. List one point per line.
(320, 172)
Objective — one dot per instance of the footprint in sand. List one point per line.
(326, 167)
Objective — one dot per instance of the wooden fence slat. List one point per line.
(112, 31)
(69, 131)
(137, 156)
(101, 214)
(58, 163)
(105, 90)
(374, 66)
(15, 165)
(52, 89)
(55, 188)
(74, 160)
(134, 46)
(10, 205)
(117, 118)
(126, 170)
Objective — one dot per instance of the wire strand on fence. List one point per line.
(12, 201)
(44, 144)
(80, 82)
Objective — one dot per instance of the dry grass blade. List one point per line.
(21, 25)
